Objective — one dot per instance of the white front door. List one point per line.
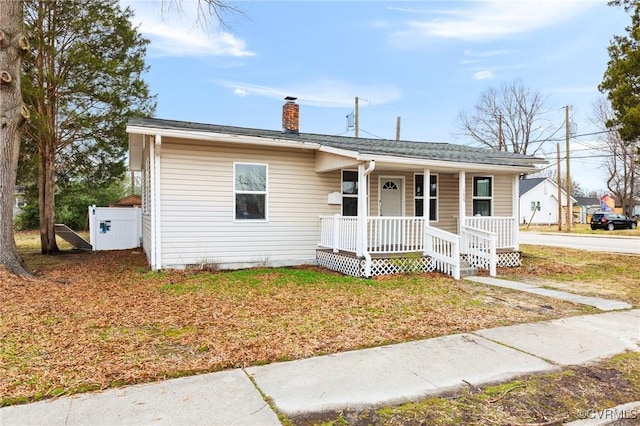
(391, 196)
(391, 192)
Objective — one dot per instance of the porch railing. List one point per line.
(479, 246)
(394, 235)
(338, 232)
(505, 228)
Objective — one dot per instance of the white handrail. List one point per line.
(480, 248)
(444, 248)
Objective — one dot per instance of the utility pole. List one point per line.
(568, 183)
(559, 188)
(398, 129)
(500, 142)
(356, 119)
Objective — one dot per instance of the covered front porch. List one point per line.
(449, 231)
(409, 244)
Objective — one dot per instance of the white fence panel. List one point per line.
(115, 228)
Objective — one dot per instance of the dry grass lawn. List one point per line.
(89, 321)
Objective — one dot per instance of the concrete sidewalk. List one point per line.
(357, 379)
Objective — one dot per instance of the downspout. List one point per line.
(157, 228)
(363, 213)
(515, 208)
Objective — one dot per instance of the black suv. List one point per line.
(611, 221)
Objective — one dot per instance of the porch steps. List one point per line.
(466, 270)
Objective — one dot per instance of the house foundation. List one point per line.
(348, 263)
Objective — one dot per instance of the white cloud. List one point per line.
(491, 19)
(486, 54)
(177, 32)
(483, 75)
(322, 93)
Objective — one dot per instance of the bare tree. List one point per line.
(13, 45)
(552, 173)
(508, 119)
(623, 171)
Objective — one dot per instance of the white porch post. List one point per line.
(462, 208)
(336, 233)
(426, 212)
(426, 195)
(362, 213)
(462, 197)
(515, 209)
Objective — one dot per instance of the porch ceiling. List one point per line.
(329, 161)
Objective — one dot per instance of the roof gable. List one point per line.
(527, 185)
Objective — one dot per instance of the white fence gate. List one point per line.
(115, 228)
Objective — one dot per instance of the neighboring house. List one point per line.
(128, 201)
(236, 197)
(585, 207)
(539, 202)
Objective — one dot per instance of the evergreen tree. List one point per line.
(621, 84)
(621, 81)
(82, 81)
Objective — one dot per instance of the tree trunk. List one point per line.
(12, 43)
(47, 186)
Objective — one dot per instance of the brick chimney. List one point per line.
(290, 116)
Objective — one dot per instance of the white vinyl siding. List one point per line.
(198, 223)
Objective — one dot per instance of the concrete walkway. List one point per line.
(357, 379)
(597, 302)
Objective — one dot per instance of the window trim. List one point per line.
(343, 195)
(265, 192)
(475, 197)
(428, 187)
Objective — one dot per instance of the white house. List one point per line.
(539, 201)
(241, 197)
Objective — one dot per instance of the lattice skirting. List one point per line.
(505, 259)
(349, 264)
(509, 259)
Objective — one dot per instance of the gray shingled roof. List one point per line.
(408, 149)
(587, 201)
(527, 185)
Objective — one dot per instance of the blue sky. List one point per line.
(423, 61)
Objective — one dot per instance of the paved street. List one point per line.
(602, 243)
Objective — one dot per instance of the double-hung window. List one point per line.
(349, 193)
(420, 196)
(250, 191)
(482, 195)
